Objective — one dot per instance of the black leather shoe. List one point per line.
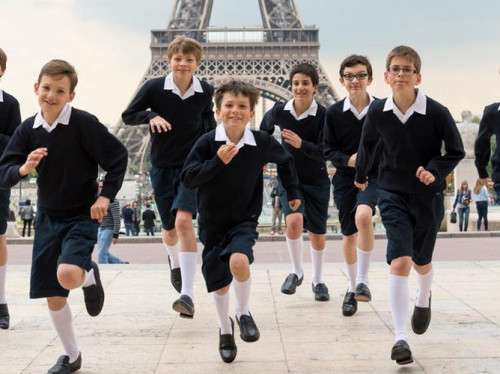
(227, 346)
(94, 295)
(350, 305)
(175, 277)
(401, 353)
(320, 292)
(4, 317)
(291, 283)
(184, 305)
(64, 367)
(248, 329)
(362, 293)
(421, 318)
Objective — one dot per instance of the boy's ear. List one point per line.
(71, 96)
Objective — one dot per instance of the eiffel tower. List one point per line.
(262, 56)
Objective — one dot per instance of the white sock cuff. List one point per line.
(89, 278)
(300, 239)
(173, 253)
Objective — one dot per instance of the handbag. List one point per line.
(453, 217)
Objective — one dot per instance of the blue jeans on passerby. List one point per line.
(104, 240)
(463, 218)
(149, 230)
(129, 228)
(482, 214)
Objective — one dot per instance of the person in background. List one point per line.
(137, 217)
(482, 197)
(277, 210)
(128, 219)
(27, 214)
(463, 200)
(149, 219)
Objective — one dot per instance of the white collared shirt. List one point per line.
(348, 106)
(247, 138)
(311, 111)
(63, 119)
(419, 106)
(170, 85)
(1, 96)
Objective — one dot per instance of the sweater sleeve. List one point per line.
(201, 164)
(315, 150)
(14, 157)
(367, 150)
(12, 122)
(268, 121)
(331, 146)
(286, 169)
(114, 210)
(482, 146)
(138, 111)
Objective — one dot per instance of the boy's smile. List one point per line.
(356, 85)
(183, 65)
(53, 94)
(302, 88)
(235, 111)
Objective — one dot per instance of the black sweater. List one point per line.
(190, 118)
(407, 146)
(231, 194)
(10, 119)
(309, 160)
(490, 124)
(67, 176)
(342, 136)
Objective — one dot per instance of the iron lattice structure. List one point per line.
(262, 56)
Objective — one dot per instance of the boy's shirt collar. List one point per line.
(348, 106)
(63, 119)
(247, 138)
(419, 106)
(1, 95)
(170, 85)
(309, 112)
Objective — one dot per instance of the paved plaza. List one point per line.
(138, 332)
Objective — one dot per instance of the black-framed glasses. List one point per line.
(394, 70)
(359, 76)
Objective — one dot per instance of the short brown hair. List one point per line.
(354, 60)
(60, 67)
(183, 44)
(407, 52)
(3, 60)
(306, 69)
(237, 88)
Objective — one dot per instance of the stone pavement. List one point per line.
(138, 332)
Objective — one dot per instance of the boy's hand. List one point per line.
(426, 177)
(291, 138)
(32, 161)
(158, 124)
(99, 209)
(294, 204)
(226, 152)
(361, 186)
(352, 160)
(486, 182)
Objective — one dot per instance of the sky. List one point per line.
(108, 43)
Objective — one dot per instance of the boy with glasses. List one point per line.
(343, 125)
(412, 177)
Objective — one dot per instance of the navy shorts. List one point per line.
(411, 222)
(313, 207)
(4, 209)
(218, 247)
(59, 241)
(347, 197)
(171, 194)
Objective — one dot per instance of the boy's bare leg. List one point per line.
(4, 311)
(364, 248)
(188, 262)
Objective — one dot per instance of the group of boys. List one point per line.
(387, 153)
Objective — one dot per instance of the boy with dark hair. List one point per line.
(65, 146)
(301, 121)
(343, 124)
(229, 162)
(412, 177)
(10, 119)
(178, 109)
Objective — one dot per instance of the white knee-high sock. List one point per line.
(62, 321)
(188, 261)
(424, 288)
(363, 265)
(89, 278)
(352, 271)
(222, 308)
(398, 299)
(296, 250)
(317, 259)
(242, 294)
(3, 278)
(173, 253)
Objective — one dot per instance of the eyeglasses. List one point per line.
(394, 70)
(359, 77)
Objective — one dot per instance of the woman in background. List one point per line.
(481, 196)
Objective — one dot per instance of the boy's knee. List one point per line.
(239, 264)
(56, 303)
(70, 276)
(363, 219)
